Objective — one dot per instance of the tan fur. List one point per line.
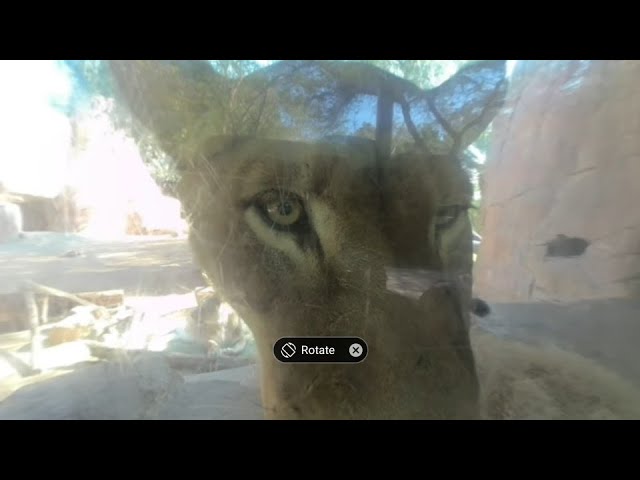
(283, 290)
(377, 259)
(531, 382)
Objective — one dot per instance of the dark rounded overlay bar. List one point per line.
(320, 350)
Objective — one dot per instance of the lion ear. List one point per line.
(471, 99)
(184, 102)
(171, 97)
(452, 116)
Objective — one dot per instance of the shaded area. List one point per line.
(563, 246)
(144, 388)
(232, 394)
(606, 331)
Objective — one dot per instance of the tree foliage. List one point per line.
(429, 74)
(235, 68)
(92, 78)
(89, 78)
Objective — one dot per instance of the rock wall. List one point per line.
(58, 214)
(10, 221)
(561, 199)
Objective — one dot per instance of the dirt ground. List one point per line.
(73, 263)
(156, 273)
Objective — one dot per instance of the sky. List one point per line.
(34, 137)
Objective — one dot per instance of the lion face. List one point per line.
(318, 237)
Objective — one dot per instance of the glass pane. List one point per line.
(383, 239)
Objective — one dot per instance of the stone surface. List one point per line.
(58, 214)
(232, 394)
(106, 391)
(143, 390)
(565, 160)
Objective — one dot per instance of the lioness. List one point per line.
(330, 199)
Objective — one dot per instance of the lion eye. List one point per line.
(446, 216)
(283, 209)
(285, 212)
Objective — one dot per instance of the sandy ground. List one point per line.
(156, 273)
(139, 265)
